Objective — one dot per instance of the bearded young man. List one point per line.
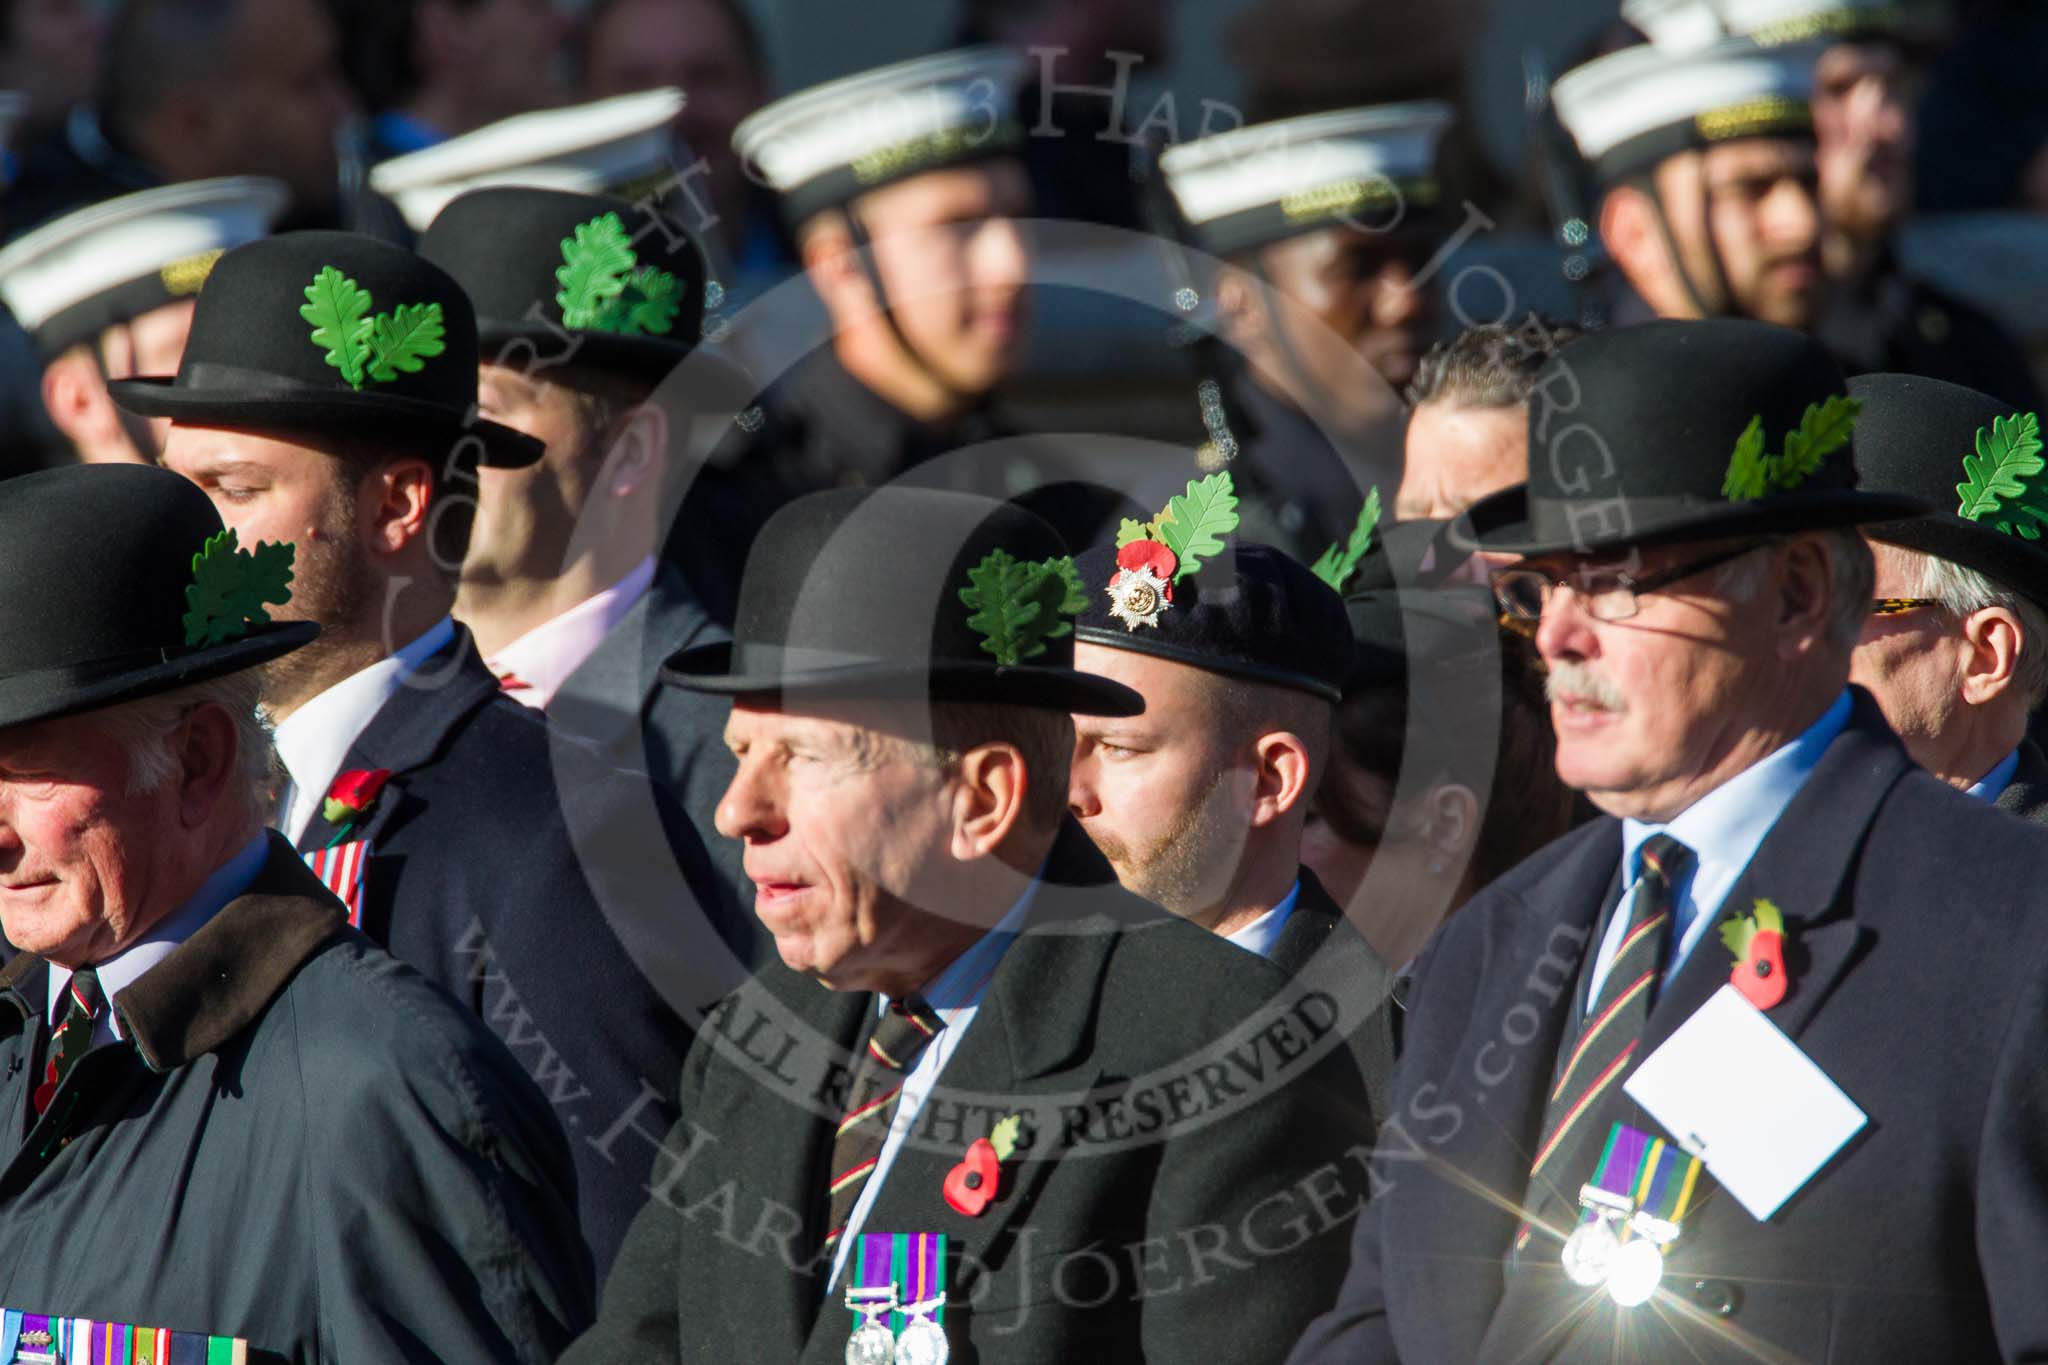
(1752, 963)
(462, 837)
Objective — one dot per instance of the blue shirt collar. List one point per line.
(963, 981)
(1993, 784)
(1725, 827)
(1262, 933)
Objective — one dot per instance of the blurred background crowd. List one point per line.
(118, 95)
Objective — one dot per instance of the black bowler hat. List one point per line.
(1248, 611)
(1976, 460)
(121, 584)
(334, 332)
(580, 279)
(908, 594)
(1682, 430)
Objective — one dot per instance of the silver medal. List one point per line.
(923, 1343)
(1589, 1254)
(1633, 1274)
(871, 1344)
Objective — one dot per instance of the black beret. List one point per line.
(1251, 612)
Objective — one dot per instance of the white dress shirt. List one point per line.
(1723, 829)
(1262, 933)
(126, 967)
(545, 656)
(956, 994)
(1993, 784)
(314, 739)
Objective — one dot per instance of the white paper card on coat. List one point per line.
(1730, 1086)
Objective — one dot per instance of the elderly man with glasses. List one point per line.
(1956, 648)
(1713, 1078)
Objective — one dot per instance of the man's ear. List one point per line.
(1995, 638)
(78, 403)
(395, 503)
(638, 447)
(826, 248)
(990, 784)
(205, 744)
(1241, 310)
(1804, 598)
(1281, 765)
(1629, 232)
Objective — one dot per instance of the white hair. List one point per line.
(1853, 575)
(1962, 591)
(143, 730)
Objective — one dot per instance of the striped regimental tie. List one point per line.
(72, 1037)
(899, 1036)
(1612, 1029)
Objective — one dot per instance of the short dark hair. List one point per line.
(1493, 366)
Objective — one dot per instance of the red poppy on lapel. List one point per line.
(971, 1184)
(352, 794)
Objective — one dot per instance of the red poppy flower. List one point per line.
(1148, 554)
(352, 794)
(971, 1184)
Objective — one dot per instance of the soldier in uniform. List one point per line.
(1703, 160)
(1870, 55)
(1325, 223)
(1956, 650)
(1708, 1079)
(107, 292)
(904, 191)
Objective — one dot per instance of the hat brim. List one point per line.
(1500, 523)
(47, 693)
(710, 382)
(709, 668)
(408, 423)
(2009, 561)
(1208, 663)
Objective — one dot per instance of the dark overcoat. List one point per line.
(1919, 922)
(1174, 1198)
(302, 1142)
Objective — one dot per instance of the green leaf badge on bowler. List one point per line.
(368, 348)
(1336, 564)
(231, 586)
(606, 289)
(1194, 524)
(1019, 605)
(2002, 480)
(1823, 429)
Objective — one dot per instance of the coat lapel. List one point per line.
(409, 731)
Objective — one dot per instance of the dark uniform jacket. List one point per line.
(1918, 921)
(1893, 323)
(563, 901)
(302, 1143)
(1299, 488)
(1105, 1243)
(822, 428)
(1317, 929)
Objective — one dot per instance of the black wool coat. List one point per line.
(1918, 919)
(302, 1142)
(2027, 794)
(1171, 1199)
(565, 902)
